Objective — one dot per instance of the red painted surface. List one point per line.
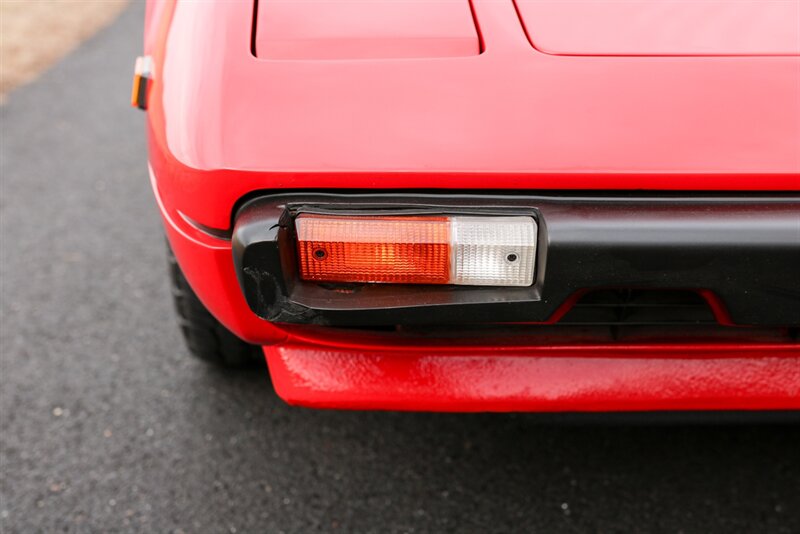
(627, 378)
(227, 123)
(223, 123)
(207, 263)
(662, 27)
(354, 29)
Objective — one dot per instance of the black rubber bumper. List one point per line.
(744, 250)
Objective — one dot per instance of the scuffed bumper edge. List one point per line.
(207, 264)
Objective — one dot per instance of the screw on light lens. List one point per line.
(374, 249)
(493, 251)
(459, 250)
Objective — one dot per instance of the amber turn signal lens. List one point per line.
(142, 73)
(400, 250)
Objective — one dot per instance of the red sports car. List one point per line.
(484, 205)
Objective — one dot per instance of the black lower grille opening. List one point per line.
(612, 316)
(633, 307)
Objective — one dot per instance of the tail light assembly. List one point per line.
(387, 259)
(454, 250)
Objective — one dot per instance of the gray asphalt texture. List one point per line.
(109, 425)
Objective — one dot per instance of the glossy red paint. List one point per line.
(207, 263)
(227, 123)
(663, 27)
(354, 29)
(223, 124)
(588, 378)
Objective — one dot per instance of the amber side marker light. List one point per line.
(142, 74)
(459, 250)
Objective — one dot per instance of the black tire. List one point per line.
(206, 338)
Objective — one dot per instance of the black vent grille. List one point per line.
(632, 307)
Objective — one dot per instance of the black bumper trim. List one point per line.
(744, 250)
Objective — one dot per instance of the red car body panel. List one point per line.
(365, 30)
(663, 28)
(227, 120)
(536, 378)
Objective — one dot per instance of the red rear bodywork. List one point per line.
(488, 95)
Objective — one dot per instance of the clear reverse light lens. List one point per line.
(492, 251)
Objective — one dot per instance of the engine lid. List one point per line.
(355, 29)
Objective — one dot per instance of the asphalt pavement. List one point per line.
(109, 425)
